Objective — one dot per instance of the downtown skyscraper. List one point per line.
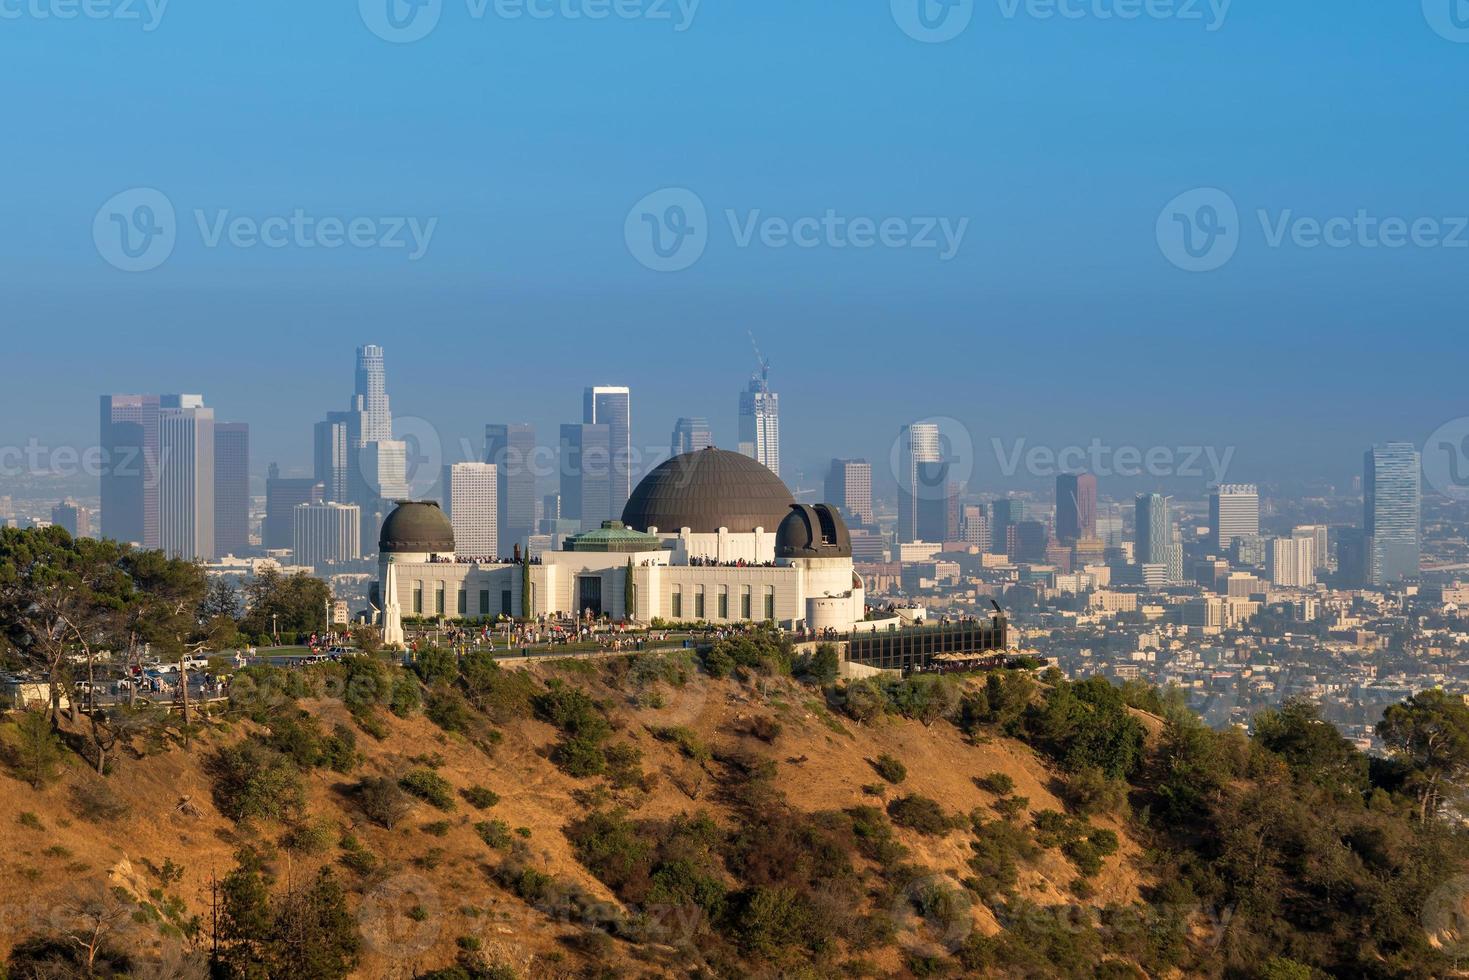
(231, 488)
(472, 502)
(1076, 507)
(1391, 482)
(612, 407)
(689, 436)
(512, 449)
(129, 443)
(760, 422)
(1154, 544)
(186, 478)
(921, 475)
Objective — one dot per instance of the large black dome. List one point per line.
(707, 490)
(416, 527)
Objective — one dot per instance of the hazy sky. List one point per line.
(1053, 143)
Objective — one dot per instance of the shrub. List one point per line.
(430, 787)
(479, 797)
(309, 837)
(579, 757)
(31, 821)
(688, 741)
(404, 700)
(890, 768)
(447, 709)
(921, 814)
(382, 801)
(1011, 807)
(495, 833)
(997, 783)
(252, 781)
(1090, 792)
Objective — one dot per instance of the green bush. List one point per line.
(479, 797)
(430, 787)
(495, 833)
(890, 769)
(997, 783)
(252, 782)
(919, 813)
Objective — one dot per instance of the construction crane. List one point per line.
(761, 360)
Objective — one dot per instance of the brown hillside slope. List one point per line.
(433, 888)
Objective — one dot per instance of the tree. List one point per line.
(290, 604)
(1312, 747)
(37, 751)
(56, 596)
(222, 599)
(163, 610)
(1429, 732)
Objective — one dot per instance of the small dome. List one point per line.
(417, 527)
(813, 531)
(707, 490)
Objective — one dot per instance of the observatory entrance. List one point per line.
(589, 595)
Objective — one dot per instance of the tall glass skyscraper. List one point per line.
(1392, 511)
(612, 407)
(689, 436)
(512, 448)
(760, 423)
(1076, 507)
(371, 394)
(921, 474)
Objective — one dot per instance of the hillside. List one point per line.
(646, 816)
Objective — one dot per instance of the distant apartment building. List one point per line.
(471, 502)
(326, 533)
(1234, 512)
(849, 486)
(1293, 562)
(70, 515)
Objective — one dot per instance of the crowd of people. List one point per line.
(696, 561)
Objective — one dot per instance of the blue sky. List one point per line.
(527, 141)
